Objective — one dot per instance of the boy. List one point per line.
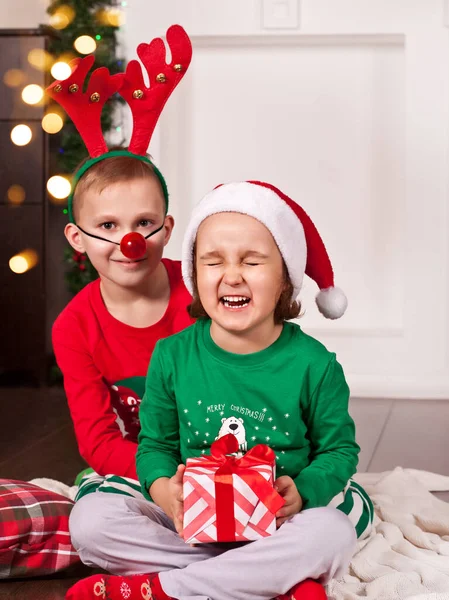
(104, 338)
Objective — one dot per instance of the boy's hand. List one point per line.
(285, 486)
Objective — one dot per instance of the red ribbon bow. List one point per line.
(224, 488)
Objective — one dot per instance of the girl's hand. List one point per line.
(177, 499)
(167, 493)
(285, 486)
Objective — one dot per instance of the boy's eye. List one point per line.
(251, 264)
(145, 223)
(108, 225)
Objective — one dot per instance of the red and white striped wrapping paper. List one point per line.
(252, 518)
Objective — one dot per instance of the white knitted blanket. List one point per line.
(407, 554)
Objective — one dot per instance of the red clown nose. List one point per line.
(133, 245)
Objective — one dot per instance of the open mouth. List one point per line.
(235, 301)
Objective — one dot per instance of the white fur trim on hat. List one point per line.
(264, 205)
(332, 302)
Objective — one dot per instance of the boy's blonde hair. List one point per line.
(111, 170)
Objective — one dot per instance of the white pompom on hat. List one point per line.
(295, 234)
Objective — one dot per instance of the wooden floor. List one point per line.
(37, 441)
(37, 436)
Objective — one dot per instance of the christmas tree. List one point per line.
(80, 27)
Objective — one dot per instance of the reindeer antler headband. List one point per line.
(146, 103)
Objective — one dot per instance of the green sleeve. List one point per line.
(331, 432)
(158, 453)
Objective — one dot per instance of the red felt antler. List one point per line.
(84, 108)
(147, 103)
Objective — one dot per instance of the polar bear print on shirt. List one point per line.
(235, 426)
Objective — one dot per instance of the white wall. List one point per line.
(344, 104)
(22, 14)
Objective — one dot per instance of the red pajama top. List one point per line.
(104, 363)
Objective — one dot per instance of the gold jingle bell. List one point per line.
(137, 94)
(73, 88)
(161, 78)
(95, 97)
(177, 68)
(58, 88)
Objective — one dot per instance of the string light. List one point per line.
(85, 44)
(32, 94)
(21, 135)
(14, 77)
(52, 123)
(61, 70)
(40, 59)
(16, 194)
(62, 17)
(98, 37)
(112, 17)
(24, 261)
(58, 187)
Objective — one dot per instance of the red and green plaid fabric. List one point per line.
(34, 531)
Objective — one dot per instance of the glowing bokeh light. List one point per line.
(85, 44)
(13, 77)
(40, 59)
(58, 187)
(113, 17)
(61, 70)
(62, 17)
(24, 261)
(52, 123)
(21, 135)
(16, 194)
(32, 94)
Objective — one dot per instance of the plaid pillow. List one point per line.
(34, 530)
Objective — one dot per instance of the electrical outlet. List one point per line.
(280, 14)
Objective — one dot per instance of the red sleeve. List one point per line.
(99, 438)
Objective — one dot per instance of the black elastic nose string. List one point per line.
(97, 237)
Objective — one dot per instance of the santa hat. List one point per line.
(295, 234)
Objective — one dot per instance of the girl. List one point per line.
(241, 368)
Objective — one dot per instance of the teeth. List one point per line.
(235, 298)
(235, 302)
(228, 305)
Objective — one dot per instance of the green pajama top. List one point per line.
(292, 396)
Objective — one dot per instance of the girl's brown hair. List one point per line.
(286, 307)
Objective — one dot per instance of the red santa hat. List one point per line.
(295, 234)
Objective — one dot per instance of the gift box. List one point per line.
(229, 498)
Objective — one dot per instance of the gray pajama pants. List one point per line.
(127, 536)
